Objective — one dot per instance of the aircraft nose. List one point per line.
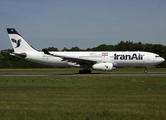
(162, 59)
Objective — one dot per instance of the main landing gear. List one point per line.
(146, 69)
(85, 72)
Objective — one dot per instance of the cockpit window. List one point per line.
(157, 56)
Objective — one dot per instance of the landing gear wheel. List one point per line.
(81, 71)
(145, 71)
(88, 71)
(85, 72)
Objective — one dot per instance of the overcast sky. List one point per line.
(83, 23)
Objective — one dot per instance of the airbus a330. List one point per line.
(101, 60)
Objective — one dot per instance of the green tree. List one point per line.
(121, 46)
(75, 49)
(102, 47)
(51, 49)
(8, 61)
(65, 49)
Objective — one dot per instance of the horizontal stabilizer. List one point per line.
(20, 55)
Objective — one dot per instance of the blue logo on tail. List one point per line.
(17, 42)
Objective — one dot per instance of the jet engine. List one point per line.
(103, 66)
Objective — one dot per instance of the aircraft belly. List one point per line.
(128, 63)
(53, 61)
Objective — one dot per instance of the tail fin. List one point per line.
(18, 42)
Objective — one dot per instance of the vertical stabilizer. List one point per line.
(18, 42)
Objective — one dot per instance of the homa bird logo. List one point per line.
(17, 42)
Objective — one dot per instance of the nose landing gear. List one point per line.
(146, 70)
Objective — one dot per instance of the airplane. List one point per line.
(101, 60)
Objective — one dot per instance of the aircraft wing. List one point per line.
(78, 60)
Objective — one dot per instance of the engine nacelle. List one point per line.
(103, 66)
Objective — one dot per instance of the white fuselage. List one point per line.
(120, 59)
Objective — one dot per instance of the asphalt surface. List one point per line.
(76, 74)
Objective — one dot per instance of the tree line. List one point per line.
(8, 61)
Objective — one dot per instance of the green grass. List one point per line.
(83, 98)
